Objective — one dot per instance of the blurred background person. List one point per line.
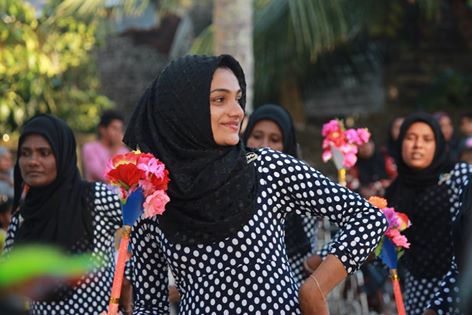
(271, 126)
(96, 154)
(465, 153)
(447, 128)
(369, 175)
(463, 248)
(428, 189)
(466, 127)
(54, 206)
(389, 151)
(5, 217)
(6, 172)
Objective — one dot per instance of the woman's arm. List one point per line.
(149, 267)
(314, 291)
(304, 190)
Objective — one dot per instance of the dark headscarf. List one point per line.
(296, 240)
(58, 213)
(392, 143)
(212, 188)
(419, 194)
(282, 118)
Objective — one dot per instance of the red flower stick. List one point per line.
(397, 292)
(119, 271)
(142, 180)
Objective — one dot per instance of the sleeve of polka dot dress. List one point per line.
(446, 297)
(108, 205)
(305, 190)
(11, 232)
(149, 267)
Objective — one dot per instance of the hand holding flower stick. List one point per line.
(143, 181)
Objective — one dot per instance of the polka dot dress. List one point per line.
(439, 293)
(91, 295)
(249, 273)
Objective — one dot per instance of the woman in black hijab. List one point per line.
(272, 126)
(428, 190)
(222, 234)
(55, 207)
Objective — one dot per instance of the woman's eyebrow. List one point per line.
(223, 90)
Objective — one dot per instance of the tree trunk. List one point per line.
(232, 22)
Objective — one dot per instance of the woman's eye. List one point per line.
(45, 153)
(218, 99)
(24, 153)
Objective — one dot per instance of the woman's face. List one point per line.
(418, 146)
(226, 112)
(37, 161)
(446, 127)
(266, 133)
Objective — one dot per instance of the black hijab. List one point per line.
(212, 188)
(282, 118)
(296, 240)
(58, 213)
(425, 200)
(392, 143)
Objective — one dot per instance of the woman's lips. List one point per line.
(232, 125)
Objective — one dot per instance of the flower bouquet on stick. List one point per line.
(142, 180)
(392, 245)
(341, 145)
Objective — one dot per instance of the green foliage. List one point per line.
(46, 66)
(448, 88)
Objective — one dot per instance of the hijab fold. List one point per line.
(59, 213)
(212, 188)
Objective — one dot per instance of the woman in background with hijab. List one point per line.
(428, 190)
(447, 129)
(54, 206)
(222, 232)
(271, 126)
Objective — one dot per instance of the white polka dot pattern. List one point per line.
(249, 273)
(445, 298)
(92, 292)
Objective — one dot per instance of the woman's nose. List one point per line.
(236, 109)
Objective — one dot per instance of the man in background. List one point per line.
(96, 154)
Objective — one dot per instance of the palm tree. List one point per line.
(232, 24)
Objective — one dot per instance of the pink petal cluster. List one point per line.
(332, 126)
(155, 203)
(135, 169)
(392, 218)
(346, 140)
(397, 239)
(395, 224)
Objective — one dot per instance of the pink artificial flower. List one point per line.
(350, 160)
(397, 239)
(151, 165)
(364, 135)
(392, 218)
(353, 137)
(155, 203)
(327, 155)
(330, 127)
